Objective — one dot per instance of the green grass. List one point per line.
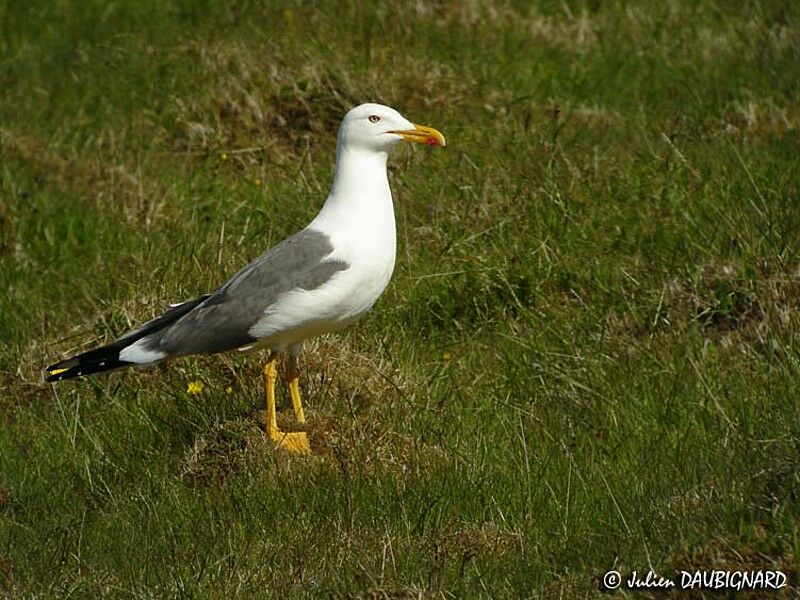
(588, 357)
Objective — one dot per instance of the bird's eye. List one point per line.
(374, 118)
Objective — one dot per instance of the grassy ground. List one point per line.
(588, 358)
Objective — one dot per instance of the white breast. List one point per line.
(368, 245)
(358, 217)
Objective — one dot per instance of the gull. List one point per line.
(320, 280)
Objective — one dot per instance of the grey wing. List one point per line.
(223, 321)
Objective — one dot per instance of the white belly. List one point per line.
(339, 302)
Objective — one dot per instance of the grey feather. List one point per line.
(223, 320)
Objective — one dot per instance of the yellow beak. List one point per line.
(422, 135)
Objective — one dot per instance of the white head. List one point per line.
(377, 128)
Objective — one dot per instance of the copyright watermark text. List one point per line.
(696, 580)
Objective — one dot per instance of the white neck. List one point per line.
(360, 192)
(358, 218)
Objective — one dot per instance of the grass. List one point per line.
(588, 357)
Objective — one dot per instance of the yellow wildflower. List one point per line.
(258, 182)
(224, 156)
(446, 356)
(194, 387)
(229, 390)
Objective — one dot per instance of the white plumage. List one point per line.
(319, 280)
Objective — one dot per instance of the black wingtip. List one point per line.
(60, 370)
(54, 376)
(94, 361)
(106, 358)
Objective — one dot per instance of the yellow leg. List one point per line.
(270, 377)
(296, 441)
(294, 390)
